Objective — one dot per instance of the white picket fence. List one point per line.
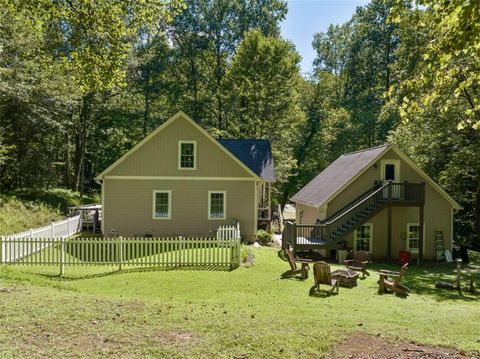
(20, 245)
(229, 232)
(60, 229)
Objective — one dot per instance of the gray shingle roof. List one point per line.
(255, 154)
(333, 178)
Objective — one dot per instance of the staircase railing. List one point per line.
(360, 211)
(354, 213)
(352, 203)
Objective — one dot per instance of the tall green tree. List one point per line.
(263, 96)
(205, 36)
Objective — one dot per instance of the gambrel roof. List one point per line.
(345, 169)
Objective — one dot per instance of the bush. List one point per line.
(264, 237)
(247, 256)
(16, 215)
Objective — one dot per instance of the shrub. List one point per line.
(264, 237)
(247, 256)
(16, 215)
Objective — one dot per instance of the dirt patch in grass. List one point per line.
(363, 346)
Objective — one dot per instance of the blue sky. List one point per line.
(306, 17)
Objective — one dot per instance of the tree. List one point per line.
(451, 60)
(263, 96)
(90, 41)
(205, 37)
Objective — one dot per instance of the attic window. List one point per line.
(187, 155)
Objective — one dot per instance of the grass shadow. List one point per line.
(66, 278)
(421, 280)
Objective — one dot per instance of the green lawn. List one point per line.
(249, 312)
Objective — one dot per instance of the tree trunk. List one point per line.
(81, 135)
(476, 224)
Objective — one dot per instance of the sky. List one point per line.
(307, 17)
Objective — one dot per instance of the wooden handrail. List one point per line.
(352, 203)
(359, 203)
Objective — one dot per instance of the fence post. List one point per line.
(68, 226)
(180, 251)
(52, 229)
(62, 256)
(120, 253)
(1, 250)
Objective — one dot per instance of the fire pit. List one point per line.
(346, 277)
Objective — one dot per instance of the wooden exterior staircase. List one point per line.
(329, 233)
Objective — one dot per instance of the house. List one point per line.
(179, 180)
(376, 200)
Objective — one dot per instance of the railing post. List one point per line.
(62, 256)
(294, 241)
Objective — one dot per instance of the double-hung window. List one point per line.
(413, 237)
(217, 204)
(162, 204)
(363, 238)
(187, 155)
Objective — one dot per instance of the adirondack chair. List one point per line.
(358, 263)
(322, 275)
(387, 283)
(292, 261)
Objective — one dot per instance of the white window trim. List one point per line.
(179, 157)
(398, 172)
(407, 246)
(371, 238)
(169, 204)
(224, 205)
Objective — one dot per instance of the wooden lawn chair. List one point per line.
(292, 261)
(358, 263)
(322, 275)
(386, 281)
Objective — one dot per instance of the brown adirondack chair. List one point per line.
(292, 261)
(358, 263)
(322, 275)
(390, 280)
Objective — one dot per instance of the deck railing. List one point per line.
(354, 213)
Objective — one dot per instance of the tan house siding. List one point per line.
(130, 205)
(159, 156)
(437, 212)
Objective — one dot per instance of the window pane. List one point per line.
(187, 155)
(413, 236)
(161, 205)
(364, 236)
(217, 205)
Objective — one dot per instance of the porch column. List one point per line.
(421, 223)
(389, 233)
(420, 235)
(389, 222)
